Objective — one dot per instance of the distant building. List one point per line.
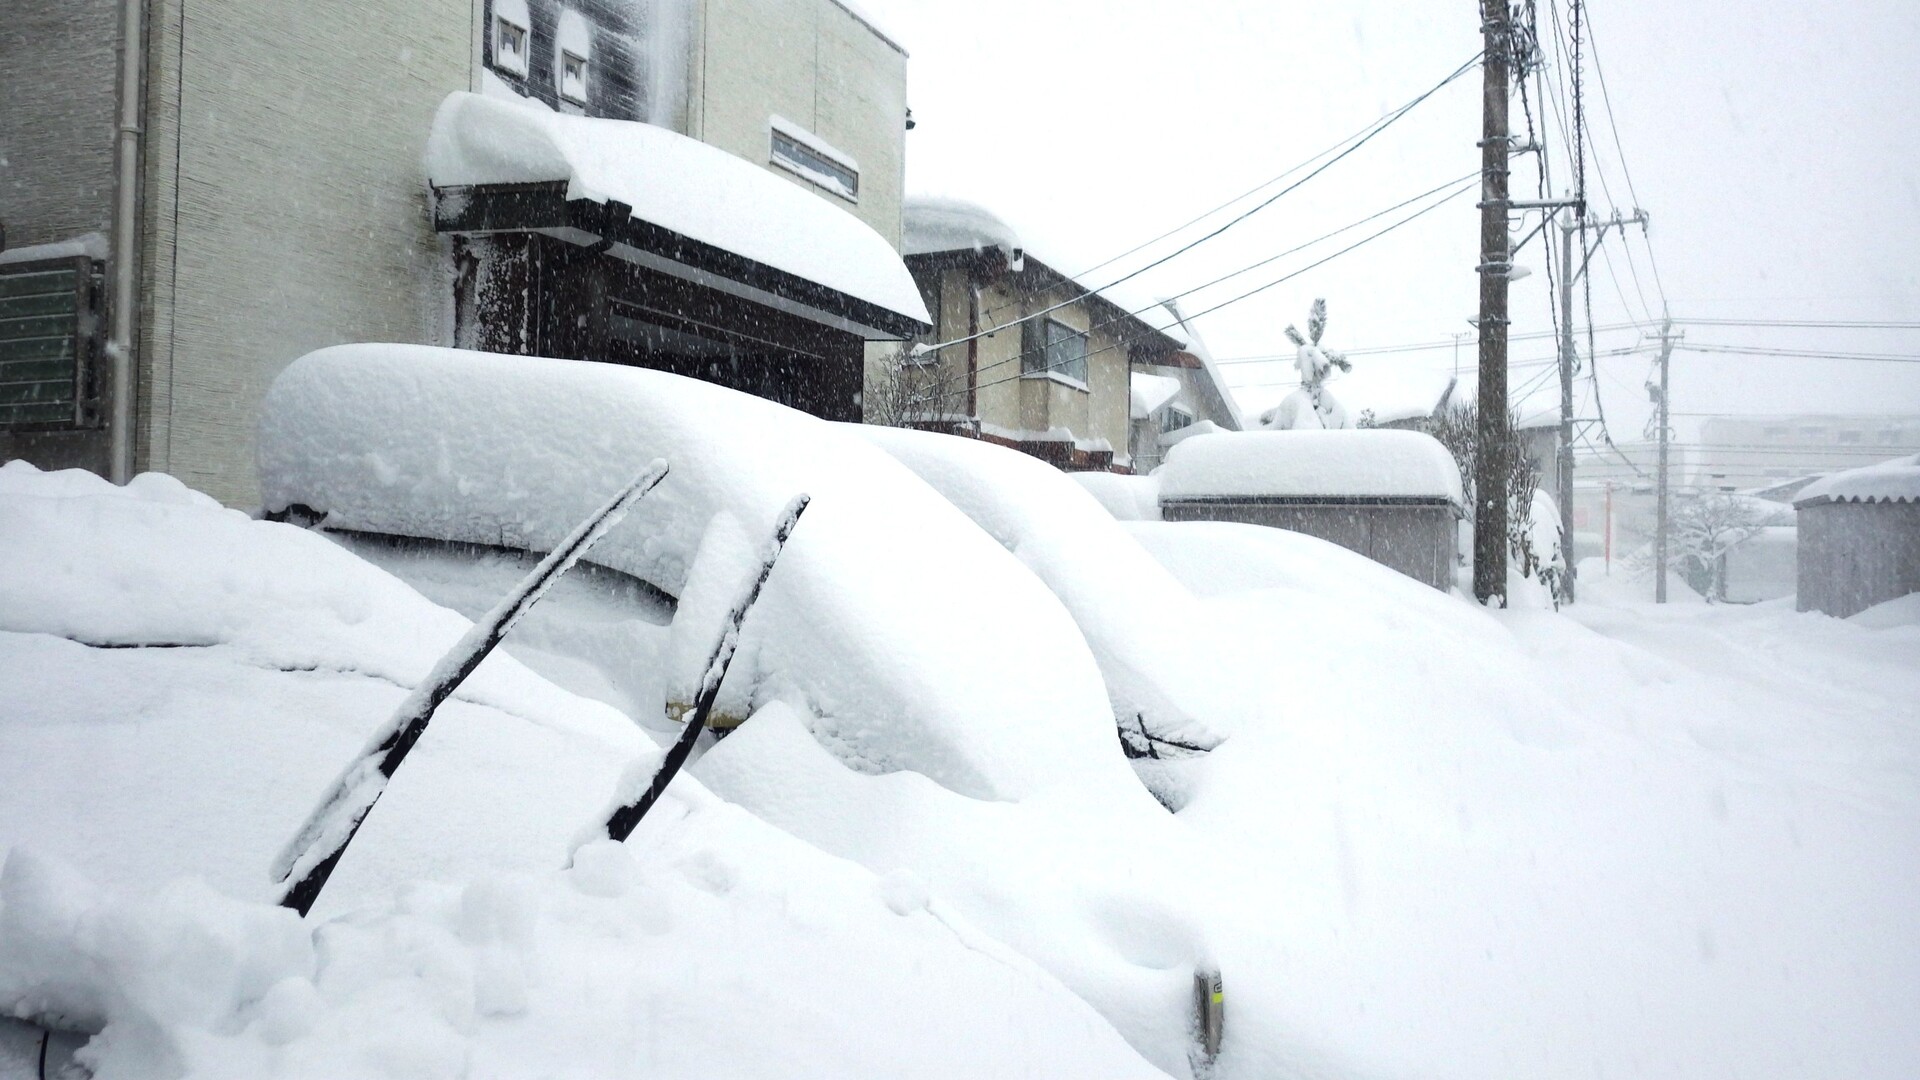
(1020, 354)
(1741, 453)
(1177, 395)
(280, 203)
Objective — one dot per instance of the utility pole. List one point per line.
(1494, 438)
(1667, 339)
(1563, 488)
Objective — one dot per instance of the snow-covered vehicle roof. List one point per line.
(1334, 465)
(679, 184)
(1889, 481)
(411, 440)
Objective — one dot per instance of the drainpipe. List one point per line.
(121, 298)
(973, 351)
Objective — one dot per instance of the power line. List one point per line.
(1379, 127)
(1804, 354)
(1125, 341)
(1421, 346)
(1613, 124)
(1806, 324)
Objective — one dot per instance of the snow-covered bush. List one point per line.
(1312, 407)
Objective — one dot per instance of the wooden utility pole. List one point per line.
(1660, 509)
(1494, 435)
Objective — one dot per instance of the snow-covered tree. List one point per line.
(1700, 532)
(1311, 407)
(908, 390)
(1533, 520)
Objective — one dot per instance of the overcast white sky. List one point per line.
(1774, 144)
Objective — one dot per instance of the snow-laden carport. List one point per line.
(600, 239)
(1393, 496)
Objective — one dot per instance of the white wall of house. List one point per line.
(814, 63)
(285, 206)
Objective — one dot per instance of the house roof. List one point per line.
(1346, 465)
(937, 225)
(1197, 348)
(1150, 392)
(1889, 481)
(703, 209)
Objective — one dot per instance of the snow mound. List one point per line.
(1889, 481)
(680, 184)
(716, 948)
(186, 682)
(1142, 625)
(1901, 612)
(1127, 498)
(883, 614)
(1303, 464)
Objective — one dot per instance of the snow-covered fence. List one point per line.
(1393, 496)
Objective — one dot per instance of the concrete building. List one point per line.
(276, 202)
(1019, 353)
(1741, 453)
(1859, 534)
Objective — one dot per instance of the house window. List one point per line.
(1054, 349)
(1849, 436)
(509, 45)
(1812, 434)
(49, 344)
(802, 153)
(573, 78)
(1777, 432)
(1173, 418)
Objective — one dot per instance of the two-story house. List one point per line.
(709, 186)
(1019, 353)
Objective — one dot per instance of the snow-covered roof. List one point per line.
(1391, 395)
(91, 245)
(679, 184)
(1181, 326)
(1889, 481)
(932, 223)
(1150, 392)
(1348, 464)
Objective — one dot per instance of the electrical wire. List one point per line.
(1801, 354)
(1126, 341)
(1379, 127)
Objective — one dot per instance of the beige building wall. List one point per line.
(292, 212)
(818, 65)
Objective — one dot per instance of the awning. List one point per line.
(673, 204)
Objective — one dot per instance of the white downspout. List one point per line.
(121, 296)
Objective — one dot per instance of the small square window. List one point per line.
(1053, 348)
(573, 78)
(509, 46)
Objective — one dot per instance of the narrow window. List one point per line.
(509, 46)
(803, 154)
(1173, 418)
(573, 78)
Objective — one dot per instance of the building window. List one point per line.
(573, 78)
(1890, 436)
(1779, 432)
(1812, 434)
(1173, 418)
(509, 43)
(800, 152)
(1054, 349)
(1850, 436)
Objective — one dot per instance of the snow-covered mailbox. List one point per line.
(1393, 496)
(1859, 537)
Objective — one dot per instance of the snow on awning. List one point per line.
(1152, 391)
(667, 202)
(1889, 481)
(1369, 465)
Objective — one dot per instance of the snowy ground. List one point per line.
(1622, 840)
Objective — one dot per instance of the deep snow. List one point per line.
(1438, 841)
